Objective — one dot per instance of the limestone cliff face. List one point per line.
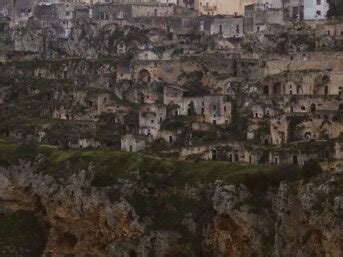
(298, 219)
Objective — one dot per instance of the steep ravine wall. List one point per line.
(295, 219)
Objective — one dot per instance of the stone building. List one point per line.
(22, 10)
(257, 17)
(338, 151)
(131, 143)
(111, 11)
(306, 105)
(334, 30)
(172, 94)
(293, 9)
(315, 9)
(61, 13)
(143, 94)
(292, 156)
(319, 129)
(123, 72)
(262, 110)
(212, 109)
(230, 26)
(121, 48)
(279, 130)
(168, 1)
(146, 71)
(82, 12)
(277, 4)
(168, 136)
(6, 8)
(83, 143)
(150, 118)
(304, 83)
(222, 7)
(4, 23)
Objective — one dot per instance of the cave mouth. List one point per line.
(67, 239)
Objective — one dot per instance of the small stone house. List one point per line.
(172, 94)
(83, 143)
(338, 151)
(150, 118)
(123, 72)
(279, 130)
(319, 129)
(262, 110)
(213, 109)
(121, 48)
(227, 27)
(131, 143)
(127, 11)
(168, 136)
(298, 154)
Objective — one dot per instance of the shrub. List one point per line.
(310, 169)
(21, 234)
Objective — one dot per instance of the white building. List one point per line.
(176, 2)
(274, 4)
(315, 9)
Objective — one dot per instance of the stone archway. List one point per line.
(144, 76)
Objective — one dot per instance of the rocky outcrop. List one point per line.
(302, 218)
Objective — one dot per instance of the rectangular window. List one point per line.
(237, 29)
(319, 13)
(319, 2)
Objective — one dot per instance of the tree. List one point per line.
(335, 8)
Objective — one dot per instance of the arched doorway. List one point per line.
(214, 154)
(307, 136)
(313, 107)
(266, 90)
(144, 76)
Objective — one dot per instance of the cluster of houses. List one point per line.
(181, 106)
(231, 18)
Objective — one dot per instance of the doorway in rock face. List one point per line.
(141, 98)
(313, 107)
(277, 89)
(214, 155)
(295, 160)
(144, 76)
(266, 90)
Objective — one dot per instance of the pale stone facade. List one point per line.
(151, 117)
(315, 9)
(279, 130)
(131, 143)
(224, 7)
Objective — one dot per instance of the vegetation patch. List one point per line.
(21, 234)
